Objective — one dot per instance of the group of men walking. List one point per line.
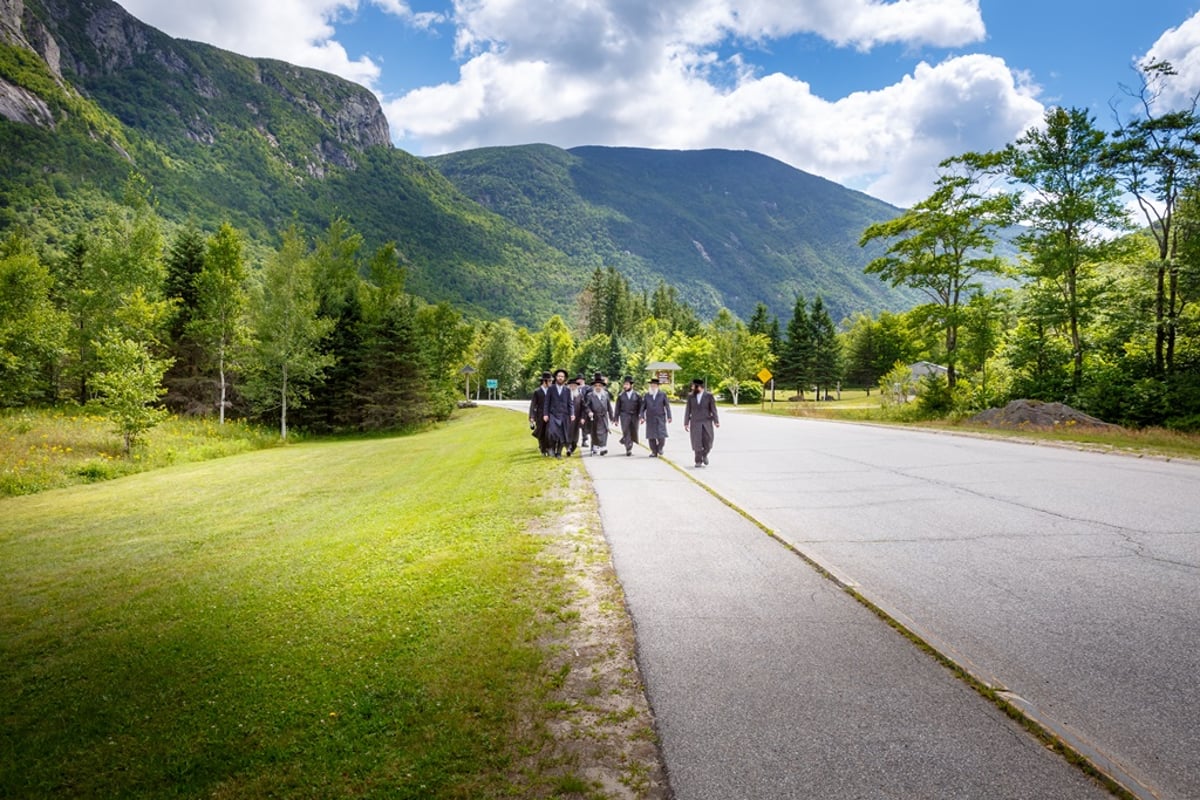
(568, 415)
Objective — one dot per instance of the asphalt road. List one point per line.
(1069, 579)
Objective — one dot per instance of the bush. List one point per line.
(749, 392)
(934, 396)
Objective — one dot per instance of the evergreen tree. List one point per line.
(392, 387)
(794, 366)
(826, 349)
(337, 284)
(188, 385)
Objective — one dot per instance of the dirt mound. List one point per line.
(1036, 414)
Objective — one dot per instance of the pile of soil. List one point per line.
(1036, 414)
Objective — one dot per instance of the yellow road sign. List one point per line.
(764, 375)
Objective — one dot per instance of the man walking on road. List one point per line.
(559, 413)
(537, 412)
(656, 413)
(700, 418)
(599, 411)
(628, 406)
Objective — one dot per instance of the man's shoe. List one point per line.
(603, 452)
(706, 461)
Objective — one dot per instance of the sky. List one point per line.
(871, 94)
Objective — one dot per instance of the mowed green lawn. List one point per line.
(324, 620)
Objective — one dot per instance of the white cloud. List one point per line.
(637, 74)
(1181, 47)
(297, 31)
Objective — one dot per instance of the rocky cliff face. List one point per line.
(96, 45)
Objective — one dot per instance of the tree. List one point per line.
(553, 347)
(392, 385)
(337, 284)
(1157, 156)
(284, 359)
(826, 349)
(500, 356)
(445, 341)
(32, 331)
(188, 382)
(794, 367)
(737, 353)
(128, 384)
(220, 291)
(1070, 211)
(103, 268)
(874, 346)
(942, 245)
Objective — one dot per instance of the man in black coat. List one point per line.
(537, 410)
(577, 398)
(699, 419)
(626, 408)
(656, 413)
(559, 413)
(599, 411)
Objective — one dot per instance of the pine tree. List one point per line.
(794, 367)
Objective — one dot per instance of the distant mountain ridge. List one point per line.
(730, 228)
(89, 94)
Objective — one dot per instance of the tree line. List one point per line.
(1098, 309)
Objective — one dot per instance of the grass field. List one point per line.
(323, 620)
(856, 406)
(47, 449)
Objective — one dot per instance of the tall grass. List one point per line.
(47, 449)
(325, 620)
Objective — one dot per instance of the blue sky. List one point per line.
(869, 93)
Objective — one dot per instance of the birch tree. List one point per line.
(284, 358)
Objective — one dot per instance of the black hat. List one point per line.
(598, 378)
(546, 376)
(577, 379)
(655, 379)
(697, 381)
(627, 379)
(563, 371)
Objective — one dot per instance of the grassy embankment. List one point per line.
(855, 406)
(327, 619)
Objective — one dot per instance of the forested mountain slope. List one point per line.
(728, 228)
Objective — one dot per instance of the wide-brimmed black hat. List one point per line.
(546, 376)
(577, 379)
(598, 378)
(697, 381)
(655, 379)
(627, 379)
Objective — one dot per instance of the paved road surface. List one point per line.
(1069, 579)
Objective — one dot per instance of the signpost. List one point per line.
(492, 385)
(766, 377)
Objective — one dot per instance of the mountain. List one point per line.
(730, 228)
(89, 95)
